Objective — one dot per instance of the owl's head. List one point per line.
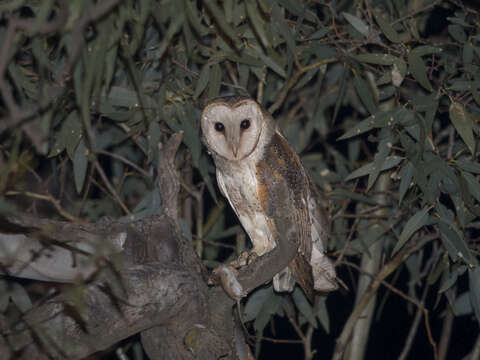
(232, 126)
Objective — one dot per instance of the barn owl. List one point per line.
(256, 167)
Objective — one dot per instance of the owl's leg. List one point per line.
(284, 281)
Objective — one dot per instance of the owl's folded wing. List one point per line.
(283, 187)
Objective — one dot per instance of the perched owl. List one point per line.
(256, 167)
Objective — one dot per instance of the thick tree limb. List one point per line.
(134, 277)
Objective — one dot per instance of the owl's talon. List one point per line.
(226, 276)
(252, 257)
(243, 258)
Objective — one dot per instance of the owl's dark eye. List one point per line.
(219, 127)
(245, 124)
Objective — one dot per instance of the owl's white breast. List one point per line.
(239, 184)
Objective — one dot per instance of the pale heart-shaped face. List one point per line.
(232, 131)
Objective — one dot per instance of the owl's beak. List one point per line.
(235, 149)
(233, 139)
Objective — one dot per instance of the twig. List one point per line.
(385, 271)
(195, 74)
(384, 283)
(475, 354)
(293, 322)
(293, 81)
(110, 188)
(124, 160)
(49, 198)
(414, 327)
(276, 341)
(347, 243)
(219, 244)
(415, 13)
(446, 334)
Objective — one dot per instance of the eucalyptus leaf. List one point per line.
(20, 297)
(387, 29)
(219, 17)
(455, 244)
(463, 124)
(80, 163)
(413, 224)
(358, 24)
(388, 163)
(214, 81)
(474, 285)
(419, 70)
(378, 120)
(304, 306)
(203, 80)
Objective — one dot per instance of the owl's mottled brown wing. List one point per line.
(283, 188)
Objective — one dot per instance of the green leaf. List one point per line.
(425, 50)
(304, 306)
(473, 185)
(322, 313)
(72, 132)
(378, 120)
(419, 71)
(377, 59)
(194, 18)
(469, 166)
(280, 25)
(384, 149)
(387, 29)
(406, 174)
(20, 297)
(202, 81)
(268, 309)
(295, 7)
(474, 284)
(80, 162)
(257, 22)
(451, 278)
(463, 123)
(340, 96)
(121, 97)
(454, 242)
(365, 94)
(215, 81)
(413, 224)
(457, 33)
(463, 304)
(390, 161)
(255, 302)
(344, 194)
(320, 33)
(219, 17)
(358, 24)
(269, 61)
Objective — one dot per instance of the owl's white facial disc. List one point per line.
(232, 131)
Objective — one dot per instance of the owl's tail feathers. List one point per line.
(324, 275)
(284, 281)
